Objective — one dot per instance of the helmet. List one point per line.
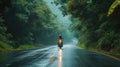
(60, 36)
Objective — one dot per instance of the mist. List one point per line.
(65, 21)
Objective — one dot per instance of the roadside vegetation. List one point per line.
(96, 23)
(26, 24)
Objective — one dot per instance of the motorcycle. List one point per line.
(60, 42)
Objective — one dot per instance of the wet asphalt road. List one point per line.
(72, 57)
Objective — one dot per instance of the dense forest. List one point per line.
(27, 24)
(96, 23)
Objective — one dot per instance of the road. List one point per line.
(72, 56)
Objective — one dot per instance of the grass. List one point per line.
(116, 52)
(4, 47)
(25, 47)
(82, 46)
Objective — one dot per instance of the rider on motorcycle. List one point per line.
(60, 41)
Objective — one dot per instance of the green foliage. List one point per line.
(113, 6)
(27, 22)
(1, 20)
(108, 41)
(3, 35)
(25, 47)
(5, 47)
(94, 28)
(2, 27)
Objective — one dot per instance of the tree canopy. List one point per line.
(27, 22)
(96, 23)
